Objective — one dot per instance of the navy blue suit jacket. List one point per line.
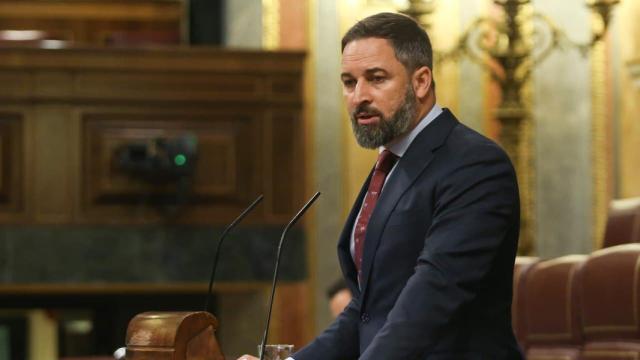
(438, 257)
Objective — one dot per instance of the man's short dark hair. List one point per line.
(409, 41)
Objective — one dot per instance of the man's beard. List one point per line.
(373, 136)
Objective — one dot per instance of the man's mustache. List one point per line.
(365, 109)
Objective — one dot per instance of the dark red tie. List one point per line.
(386, 159)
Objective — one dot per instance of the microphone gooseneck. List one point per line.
(235, 222)
(275, 272)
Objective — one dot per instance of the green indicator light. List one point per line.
(180, 159)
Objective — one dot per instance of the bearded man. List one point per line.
(429, 246)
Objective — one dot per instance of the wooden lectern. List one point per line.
(173, 336)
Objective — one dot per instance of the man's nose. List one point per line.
(362, 93)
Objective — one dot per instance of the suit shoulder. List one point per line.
(467, 141)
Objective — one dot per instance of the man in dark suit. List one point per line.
(429, 246)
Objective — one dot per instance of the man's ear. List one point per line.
(422, 81)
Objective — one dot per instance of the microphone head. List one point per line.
(120, 353)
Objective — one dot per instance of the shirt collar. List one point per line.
(400, 147)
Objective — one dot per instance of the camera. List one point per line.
(160, 160)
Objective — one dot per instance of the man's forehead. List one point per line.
(367, 47)
(368, 53)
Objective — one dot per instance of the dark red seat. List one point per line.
(552, 309)
(623, 222)
(610, 284)
(518, 321)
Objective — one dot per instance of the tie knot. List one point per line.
(386, 160)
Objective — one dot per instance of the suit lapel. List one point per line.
(344, 244)
(413, 162)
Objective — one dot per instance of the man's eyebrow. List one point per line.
(375, 70)
(367, 72)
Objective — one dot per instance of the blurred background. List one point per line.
(133, 131)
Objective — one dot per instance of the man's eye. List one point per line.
(349, 83)
(378, 79)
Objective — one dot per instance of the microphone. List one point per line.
(120, 353)
(235, 222)
(275, 272)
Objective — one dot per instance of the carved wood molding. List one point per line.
(165, 60)
(166, 10)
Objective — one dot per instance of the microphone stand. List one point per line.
(235, 222)
(275, 273)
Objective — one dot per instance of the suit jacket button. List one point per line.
(364, 317)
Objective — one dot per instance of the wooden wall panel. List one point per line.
(15, 83)
(284, 141)
(96, 22)
(12, 204)
(244, 108)
(66, 112)
(132, 86)
(224, 177)
(284, 88)
(55, 158)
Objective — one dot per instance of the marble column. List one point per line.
(562, 118)
(326, 122)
